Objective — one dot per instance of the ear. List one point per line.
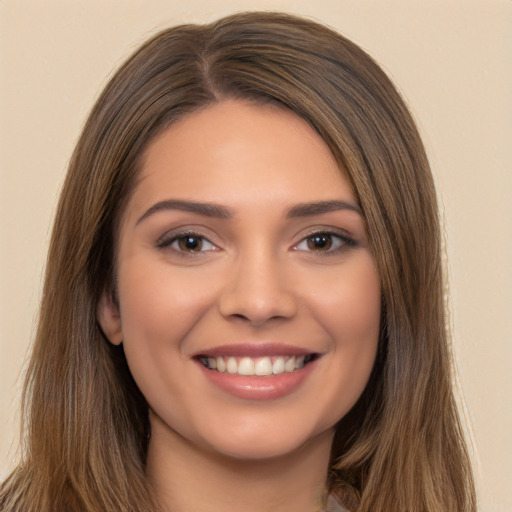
(109, 318)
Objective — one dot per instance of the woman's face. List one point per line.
(249, 302)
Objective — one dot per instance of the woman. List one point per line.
(243, 299)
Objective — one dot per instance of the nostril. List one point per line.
(257, 303)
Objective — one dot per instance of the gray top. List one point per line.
(333, 505)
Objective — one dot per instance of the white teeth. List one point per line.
(264, 366)
(245, 366)
(221, 365)
(278, 366)
(231, 365)
(261, 366)
(290, 365)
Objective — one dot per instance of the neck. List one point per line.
(189, 478)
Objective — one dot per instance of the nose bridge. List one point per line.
(258, 287)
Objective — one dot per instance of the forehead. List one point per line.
(241, 154)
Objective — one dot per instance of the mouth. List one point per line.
(257, 371)
(256, 366)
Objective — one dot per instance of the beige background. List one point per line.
(452, 60)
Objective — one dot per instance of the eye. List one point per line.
(186, 243)
(324, 241)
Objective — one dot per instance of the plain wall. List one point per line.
(452, 60)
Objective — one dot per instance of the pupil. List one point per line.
(190, 243)
(320, 242)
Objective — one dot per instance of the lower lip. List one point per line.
(251, 387)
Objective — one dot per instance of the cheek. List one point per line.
(159, 307)
(159, 303)
(350, 311)
(356, 296)
(349, 303)
(359, 308)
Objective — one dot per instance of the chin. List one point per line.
(259, 444)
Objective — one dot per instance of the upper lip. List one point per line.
(255, 350)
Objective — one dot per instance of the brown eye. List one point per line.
(190, 243)
(319, 242)
(326, 242)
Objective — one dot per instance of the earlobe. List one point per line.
(109, 318)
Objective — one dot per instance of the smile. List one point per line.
(259, 366)
(257, 371)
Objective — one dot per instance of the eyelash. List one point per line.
(169, 239)
(344, 241)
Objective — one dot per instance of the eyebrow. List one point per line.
(320, 207)
(206, 209)
(221, 212)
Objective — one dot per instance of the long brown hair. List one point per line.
(401, 447)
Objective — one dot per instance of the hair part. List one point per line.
(401, 447)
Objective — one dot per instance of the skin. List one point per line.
(255, 277)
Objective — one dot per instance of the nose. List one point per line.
(258, 290)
